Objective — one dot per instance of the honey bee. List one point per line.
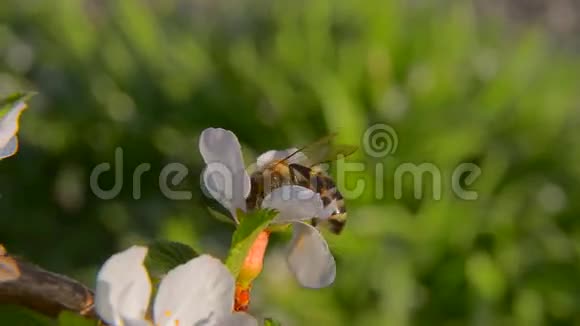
(302, 168)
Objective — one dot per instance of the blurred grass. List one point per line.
(457, 87)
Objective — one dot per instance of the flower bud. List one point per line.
(251, 268)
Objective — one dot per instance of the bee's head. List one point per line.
(336, 222)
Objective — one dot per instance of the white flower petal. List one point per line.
(273, 155)
(309, 258)
(225, 176)
(8, 129)
(294, 203)
(199, 290)
(221, 185)
(136, 322)
(123, 287)
(10, 148)
(237, 319)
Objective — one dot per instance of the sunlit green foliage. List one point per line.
(149, 76)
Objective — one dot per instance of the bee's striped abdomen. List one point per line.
(325, 186)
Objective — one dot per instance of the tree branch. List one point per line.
(28, 285)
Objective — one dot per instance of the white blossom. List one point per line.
(199, 292)
(226, 179)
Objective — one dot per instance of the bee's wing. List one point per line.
(330, 154)
(321, 151)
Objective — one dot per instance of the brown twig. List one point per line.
(28, 285)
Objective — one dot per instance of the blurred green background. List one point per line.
(459, 81)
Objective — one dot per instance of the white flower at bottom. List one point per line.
(226, 179)
(199, 292)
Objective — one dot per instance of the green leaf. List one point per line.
(271, 322)
(164, 256)
(220, 215)
(67, 318)
(248, 230)
(17, 315)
